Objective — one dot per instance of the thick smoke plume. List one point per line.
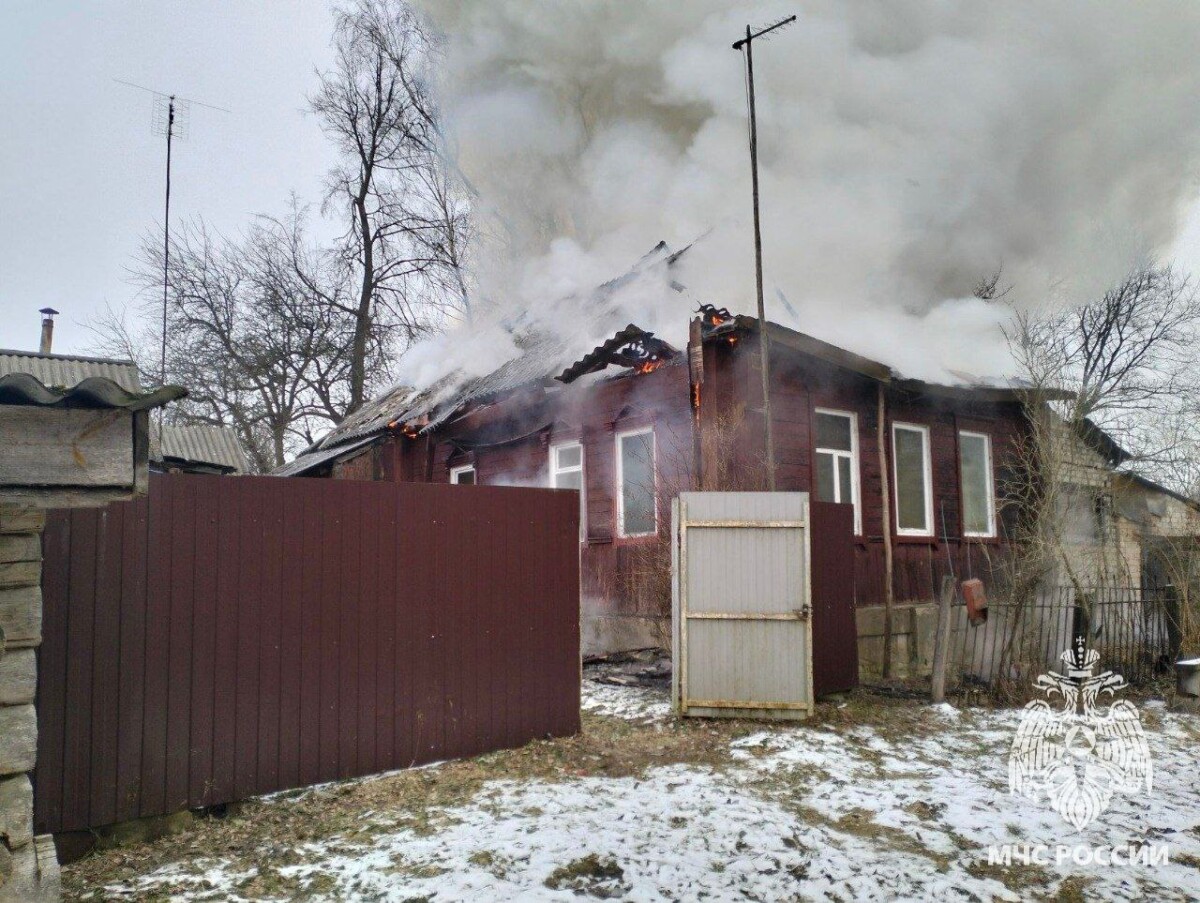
(908, 149)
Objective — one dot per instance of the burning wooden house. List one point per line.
(635, 420)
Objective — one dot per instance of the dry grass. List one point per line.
(265, 834)
(262, 836)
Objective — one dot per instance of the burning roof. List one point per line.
(542, 357)
(632, 347)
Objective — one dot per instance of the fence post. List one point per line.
(941, 641)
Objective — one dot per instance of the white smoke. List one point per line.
(907, 149)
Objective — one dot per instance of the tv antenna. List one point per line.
(170, 119)
(746, 47)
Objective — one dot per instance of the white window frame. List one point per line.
(855, 482)
(991, 483)
(621, 480)
(555, 470)
(456, 472)
(926, 450)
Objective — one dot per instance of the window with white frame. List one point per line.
(566, 472)
(978, 484)
(837, 460)
(637, 514)
(913, 479)
(463, 476)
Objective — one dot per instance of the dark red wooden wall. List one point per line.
(232, 636)
(801, 384)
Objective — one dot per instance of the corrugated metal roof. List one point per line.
(204, 444)
(309, 459)
(92, 392)
(64, 370)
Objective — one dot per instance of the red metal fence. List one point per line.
(835, 631)
(232, 636)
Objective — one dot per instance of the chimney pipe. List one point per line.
(47, 329)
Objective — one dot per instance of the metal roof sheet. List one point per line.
(67, 370)
(92, 392)
(309, 459)
(205, 444)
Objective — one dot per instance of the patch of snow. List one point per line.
(807, 812)
(631, 703)
(944, 708)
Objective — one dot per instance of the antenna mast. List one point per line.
(170, 132)
(170, 120)
(746, 45)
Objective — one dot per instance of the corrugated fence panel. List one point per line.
(227, 637)
(835, 633)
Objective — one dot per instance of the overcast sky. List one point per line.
(81, 171)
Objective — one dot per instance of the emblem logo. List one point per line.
(1071, 751)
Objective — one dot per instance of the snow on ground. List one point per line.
(630, 703)
(798, 812)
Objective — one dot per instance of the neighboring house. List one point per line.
(634, 420)
(197, 449)
(1120, 529)
(183, 449)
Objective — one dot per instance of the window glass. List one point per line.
(566, 472)
(834, 432)
(571, 479)
(976, 468)
(845, 484)
(911, 480)
(836, 461)
(637, 484)
(826, 482)
(463, 476)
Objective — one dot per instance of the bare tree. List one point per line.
(277, 335)
(255, 329)
(403, 246)
(1112, 379)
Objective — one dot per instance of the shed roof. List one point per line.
(92, 392)
(203, 444)
(67, 370)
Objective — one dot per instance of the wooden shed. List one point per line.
(67, 438)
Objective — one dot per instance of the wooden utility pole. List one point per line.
(746, 45)
(885, 495)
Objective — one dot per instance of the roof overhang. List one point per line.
(95, 392)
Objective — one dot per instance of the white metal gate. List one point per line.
(742, 605)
